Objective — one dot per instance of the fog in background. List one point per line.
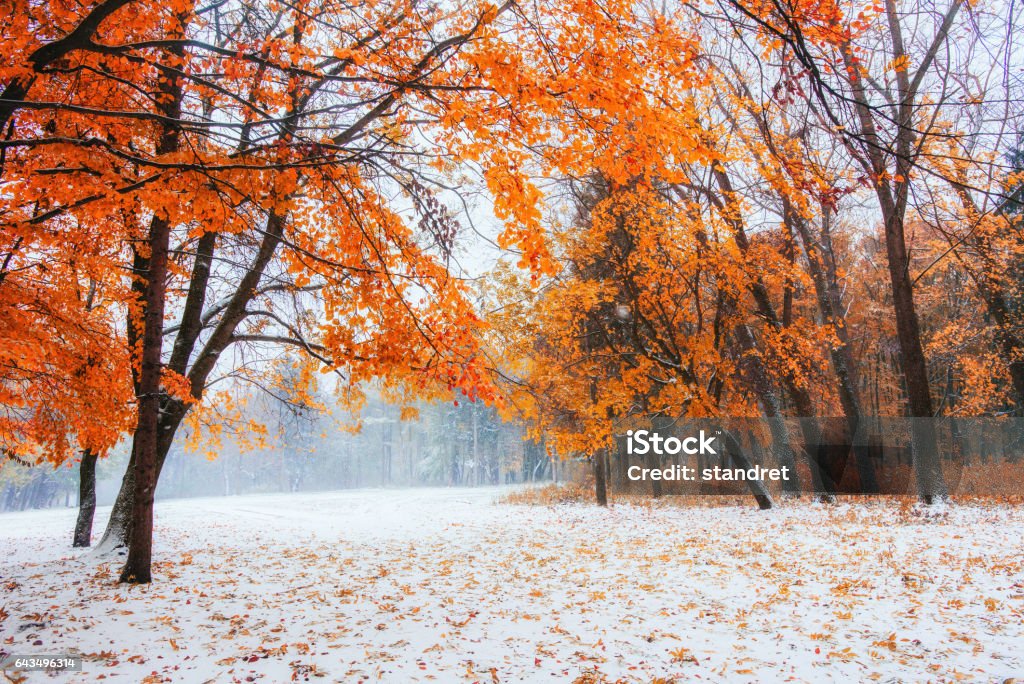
(307, 450)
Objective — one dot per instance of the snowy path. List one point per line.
(446, 586)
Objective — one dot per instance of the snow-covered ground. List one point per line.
(448, 586)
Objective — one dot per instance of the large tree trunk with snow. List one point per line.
(118, 531)
(86, 499)
(172, 412)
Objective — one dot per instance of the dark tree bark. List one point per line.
(600, 478)
(140, 547)
(86, 499)
(651, 461)
(119, 529)
(621, 464)
(735, 451)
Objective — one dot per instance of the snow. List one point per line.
(447, 585)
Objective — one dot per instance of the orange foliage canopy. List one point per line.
(307, 138)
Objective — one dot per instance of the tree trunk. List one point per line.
(893, 196)
(600, 459)
(86, 499)
(600, 480)
(651, 461)
(621, 465)
(140, 545)
(821, 262)
(757, 487)
(118, 529)
(927, 469)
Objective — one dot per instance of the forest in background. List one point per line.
(448, 446)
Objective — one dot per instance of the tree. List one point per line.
(279, 139)
(635, 326)
(887, 86)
